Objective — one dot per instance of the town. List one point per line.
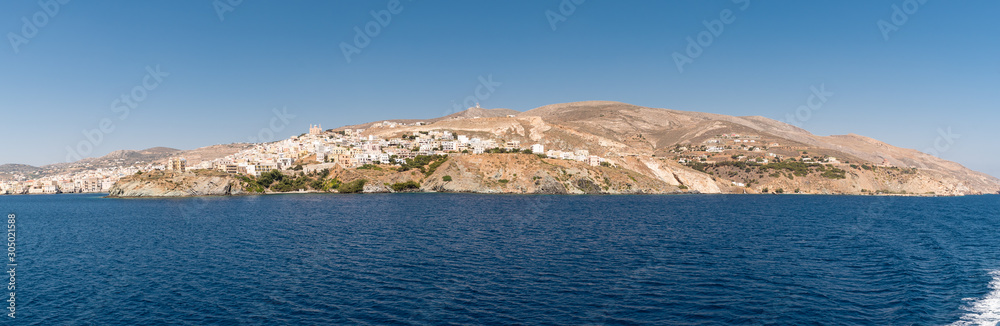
(312, 151)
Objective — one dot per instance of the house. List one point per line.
(537, 148)
(594, 160)
(177, 164)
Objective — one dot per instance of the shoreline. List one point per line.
(313, 192)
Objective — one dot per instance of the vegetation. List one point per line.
(446, 178)
(370, 167)
(835, 173)
(402, 186)
(797, 168)
(431, 161)
(277, 181)
(352, 187)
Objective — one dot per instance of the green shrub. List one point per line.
(370, 167)
(355, 186)
(835, 173)
(446, 178)
(401, 186)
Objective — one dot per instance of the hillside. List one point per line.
(123, 158)
(647, 140)
(642, 151)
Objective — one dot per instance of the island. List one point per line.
(594, 147)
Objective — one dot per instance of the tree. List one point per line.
(446, 178)
(355, 186)
(402, 186)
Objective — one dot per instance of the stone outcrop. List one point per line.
(168, 184)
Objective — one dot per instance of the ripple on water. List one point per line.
(475, 259)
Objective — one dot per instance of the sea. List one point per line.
(474, 259)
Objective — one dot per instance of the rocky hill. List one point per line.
(18, 168)
(124, 158)
(168, 184)
(648, 150)
(652, 141)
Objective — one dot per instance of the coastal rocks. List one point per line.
(530, 174)
(168, 184)
(375, 188)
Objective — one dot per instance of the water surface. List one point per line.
(416, 259)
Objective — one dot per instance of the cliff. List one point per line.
(169, 184)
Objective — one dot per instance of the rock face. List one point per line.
(530, 174)
(512, 174)
(167, 184)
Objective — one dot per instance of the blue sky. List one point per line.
(222, 79)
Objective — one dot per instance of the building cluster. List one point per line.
(349, 148)
(736, 147)
(316, 149)
(91, 181)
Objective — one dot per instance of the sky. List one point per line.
(84, 78)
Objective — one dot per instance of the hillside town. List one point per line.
(317, 149)
(349, 148)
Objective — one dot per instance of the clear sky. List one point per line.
(930, 66)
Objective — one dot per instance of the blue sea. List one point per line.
(467, 259)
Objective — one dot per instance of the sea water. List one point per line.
(418, 259)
